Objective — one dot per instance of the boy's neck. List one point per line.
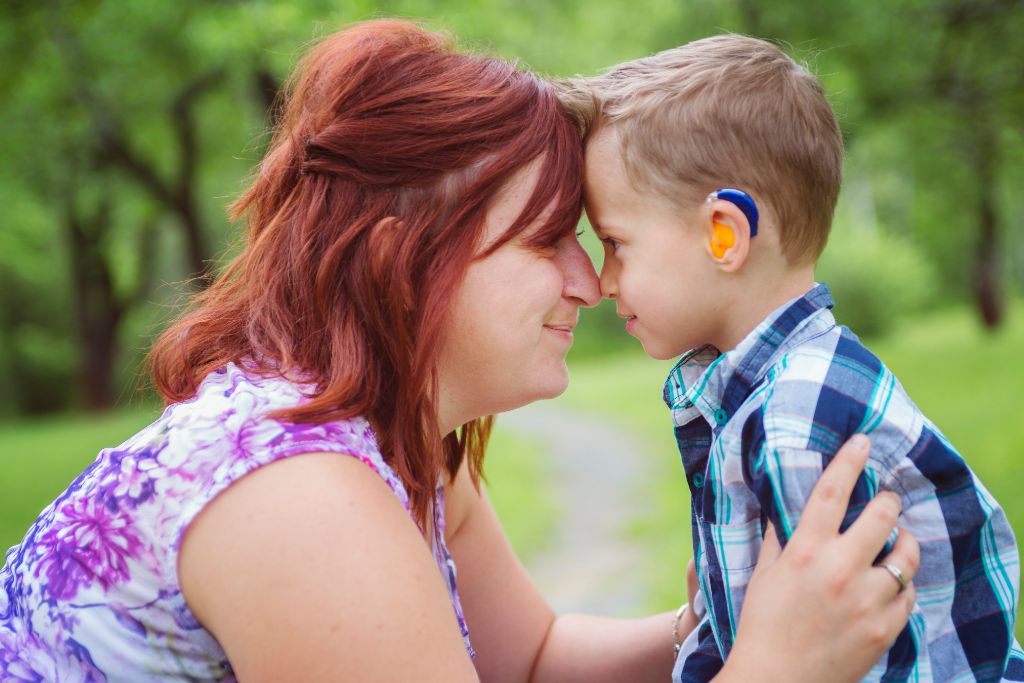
(752, 304)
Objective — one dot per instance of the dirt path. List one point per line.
(591, 565)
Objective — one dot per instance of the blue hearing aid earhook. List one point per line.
(742, 200)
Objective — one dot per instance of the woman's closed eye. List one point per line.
(546, 251)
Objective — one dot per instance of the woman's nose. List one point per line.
(581, 281)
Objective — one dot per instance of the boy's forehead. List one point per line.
(604, 171)
(609, 195)
(604, 145)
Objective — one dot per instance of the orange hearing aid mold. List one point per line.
(722, 240)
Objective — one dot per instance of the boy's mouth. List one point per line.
(631, 324)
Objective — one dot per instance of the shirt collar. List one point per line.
(712, 384)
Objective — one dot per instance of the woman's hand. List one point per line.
(819, 610)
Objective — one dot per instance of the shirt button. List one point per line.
(698, 480)
(721, 417)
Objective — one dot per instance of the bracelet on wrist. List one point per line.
(677, 642)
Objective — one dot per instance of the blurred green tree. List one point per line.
(128, 127)
(947, 77)
(127, 121)
(122, 125)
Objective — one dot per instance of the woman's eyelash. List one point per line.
(579, 233)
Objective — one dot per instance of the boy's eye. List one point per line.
(611, 243)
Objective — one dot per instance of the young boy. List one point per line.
(712, 172)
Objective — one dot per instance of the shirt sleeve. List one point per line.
(703, 661)
(783, 481)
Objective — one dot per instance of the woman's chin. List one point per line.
(552, 385)
(560, 389)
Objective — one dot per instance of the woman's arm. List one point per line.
(310, 564)
(799, 599)
(516, 636)
(309, 568)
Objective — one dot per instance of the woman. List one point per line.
(410, 269)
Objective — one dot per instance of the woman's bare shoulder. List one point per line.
(311, 563)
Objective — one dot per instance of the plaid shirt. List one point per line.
(757, 425)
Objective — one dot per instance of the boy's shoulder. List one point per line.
(824, 389)
(833, 360)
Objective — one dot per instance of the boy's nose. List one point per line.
(581, 281)
(608, 282)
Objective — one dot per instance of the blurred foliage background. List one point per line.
(127, 127)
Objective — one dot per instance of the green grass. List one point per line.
(38, 458)
(520, 490)
(627, 388)
(969, 382)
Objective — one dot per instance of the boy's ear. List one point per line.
(728, 235)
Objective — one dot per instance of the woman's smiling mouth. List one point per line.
(564, 330)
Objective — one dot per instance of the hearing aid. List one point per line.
(722, 239)
(742, 200)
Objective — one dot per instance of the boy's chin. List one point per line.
(659, 351)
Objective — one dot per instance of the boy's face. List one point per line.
(656, 263)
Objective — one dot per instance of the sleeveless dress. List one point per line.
(92, 594)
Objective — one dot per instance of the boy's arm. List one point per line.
(941, 507)
(782, 478)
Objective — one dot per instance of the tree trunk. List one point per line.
(983, 158)
(98, 354)
(975, 103)
(988, 294)
(97, 310)
(267, 87)
(195, 241)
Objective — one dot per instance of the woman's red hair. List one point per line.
(361, 222)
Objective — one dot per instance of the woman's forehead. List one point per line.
(511, 200)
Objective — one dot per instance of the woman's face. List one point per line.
(512, 317)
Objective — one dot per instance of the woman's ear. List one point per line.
(728, 235)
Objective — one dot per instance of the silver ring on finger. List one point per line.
(896, 574)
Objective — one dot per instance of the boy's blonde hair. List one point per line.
(726, 111)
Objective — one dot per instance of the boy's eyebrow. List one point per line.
(594, 224)
(601, 229)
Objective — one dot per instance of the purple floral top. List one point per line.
(92, 594)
